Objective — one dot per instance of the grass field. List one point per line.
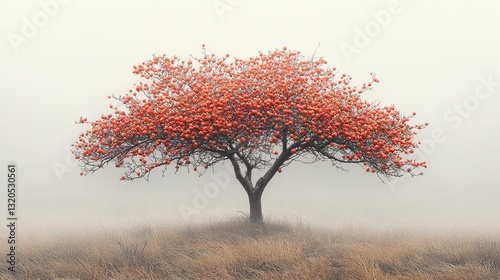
(234, 249)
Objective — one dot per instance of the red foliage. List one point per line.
(262, 112)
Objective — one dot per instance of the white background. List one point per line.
(61, 59)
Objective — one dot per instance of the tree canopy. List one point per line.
(260, 113)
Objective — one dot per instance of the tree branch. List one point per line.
(247, 184)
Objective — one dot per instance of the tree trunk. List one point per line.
(255, 208)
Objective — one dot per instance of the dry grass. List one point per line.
(237, 250)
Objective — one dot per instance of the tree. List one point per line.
(260, 113)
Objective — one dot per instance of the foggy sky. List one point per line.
(61, 59)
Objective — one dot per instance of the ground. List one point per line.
(235, 249)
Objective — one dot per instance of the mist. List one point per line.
(61, 59)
